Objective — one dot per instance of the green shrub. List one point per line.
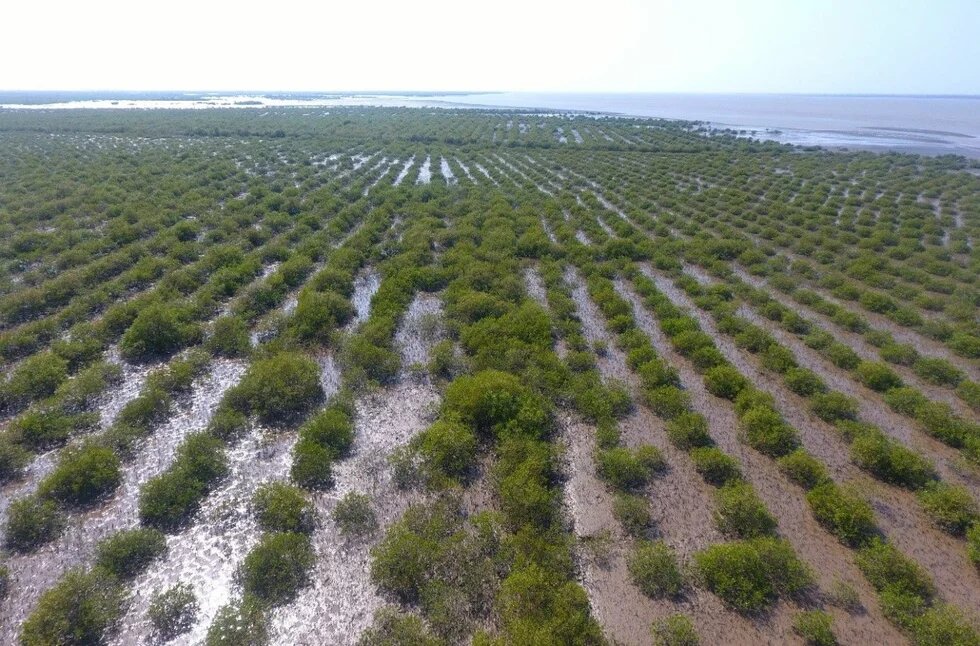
(279, 507)
(668, 401)
(725, 381)
(749, 575)
(277, 568)
(653, 568)
(888, 569)
(447, 449)
(815, 627)
(354, 515)
(331, 428)
(847, 516)
(392, 627)
(79, 609)
(877, 376)
(688, 431)
(312, 466)
(32, 522)
(627, 469)
(888, 460)
(37, 377)
(229, 337)
(540, 606)
(969, 391)
(227, 424)
(778, 359)
(240, 623)
(4, 581)
(657, 373)
(767, 432)
(899, 353)
(492, 401)
(369, 362)
(158, 331)
(127, 553)
(943, 624)
(951, 507)
(706, 358)
(675, 630)
(843, 356)
(938, 371)
(715, 466)
(42, 429)
(739, 513)
(804, 382)
(973, 543)
(173, 612)
(833, 406)
(280, 388)
(13, 459)
(803, 469)
(753, 398)
(633, 513)
(318, 315)
(906, 401)
(83, 475)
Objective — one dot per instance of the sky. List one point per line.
(800, 46)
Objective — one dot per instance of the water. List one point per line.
(913, 124)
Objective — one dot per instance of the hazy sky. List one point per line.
(873, 46)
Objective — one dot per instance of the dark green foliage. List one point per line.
(653, 567)
(973, 543)
(331, 428)
(833, 406)
(725, 381)
(950, 507)
(890, 461)
(355, 515)
(767, 432)
(750, 575)
(715, 466)
(633, 513)
(277, 568)
(888, 569)
(394, 628)
(279, 507)
(496, 403)
(906, 401)
(803, 469)
(689, 431)
(280, 388)
(804, 382)
(938, 371)
(158, 331)
(13, 459)
(169, 500)
(447, 449)
(312, 465)
(846, 515)
(31, 522)
(877, 376)
(318, 315)
(675, 630)
(241, 623)
(79, 609)
(37, 377)
(229, 337)
(83, 475)
(127, 553)
(627, 469)
(668, 401)
(537, 607)
(815, 627)
(42, 429)
(739, 513)
(172, 612)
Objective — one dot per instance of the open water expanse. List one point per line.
(932, 125)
